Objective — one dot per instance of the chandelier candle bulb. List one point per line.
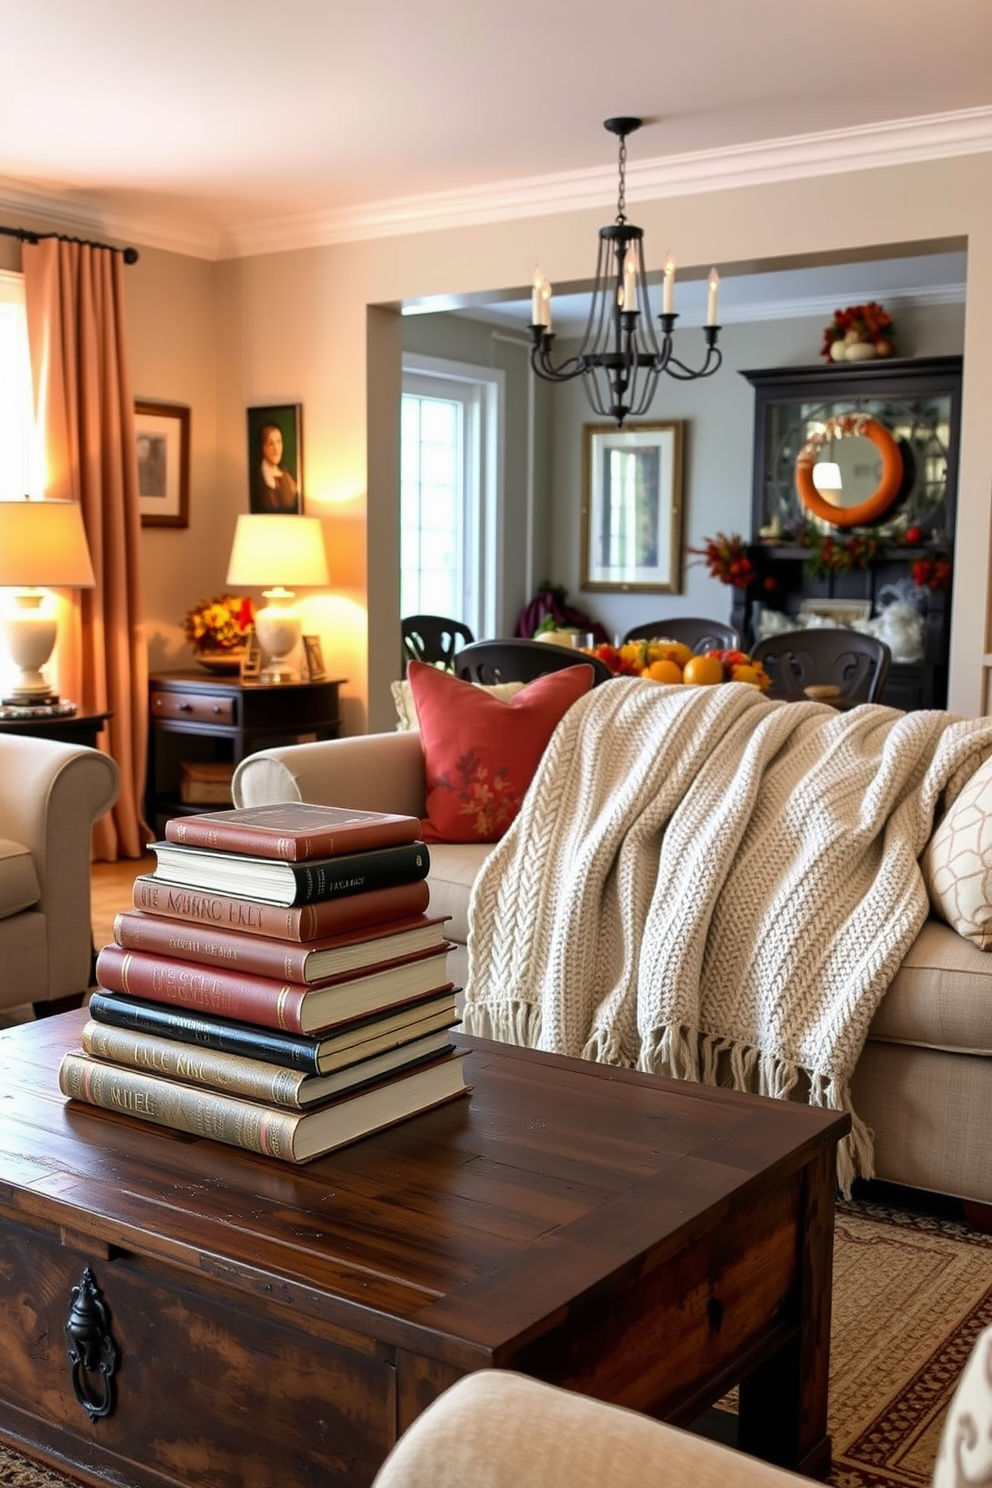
(535, 299)
(668, 288)
(546, 305)
(630, 283)
(711, 298)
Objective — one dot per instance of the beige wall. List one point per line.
(296, 327)
(325, 291)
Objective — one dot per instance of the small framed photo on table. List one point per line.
(251, 661)
(313, 659)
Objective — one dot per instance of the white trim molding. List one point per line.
(873, 146)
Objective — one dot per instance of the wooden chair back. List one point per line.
(521, 661)
(857, 664)
(432, 638)
(701, 635)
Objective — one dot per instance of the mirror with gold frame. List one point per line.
(849, 471)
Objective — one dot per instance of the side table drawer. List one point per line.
(192, 707)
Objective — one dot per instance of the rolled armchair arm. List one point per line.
(497, 1429)
(50, 796)
(371, 772)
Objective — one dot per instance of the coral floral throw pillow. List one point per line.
(480, 753)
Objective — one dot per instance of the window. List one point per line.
(16, 398)
(17, 436)
(449, 486)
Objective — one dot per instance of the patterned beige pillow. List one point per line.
(957, 861)
(407, 713)
(965, 1455)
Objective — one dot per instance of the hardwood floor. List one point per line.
(110, 892)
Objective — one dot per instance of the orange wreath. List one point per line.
(878, 503)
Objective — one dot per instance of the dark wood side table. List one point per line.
(78, 728)
(195, 716)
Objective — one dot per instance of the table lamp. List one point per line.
(42, 546)
(278, 551)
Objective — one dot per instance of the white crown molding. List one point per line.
(899, 142)
(823, 306)
(68, 214)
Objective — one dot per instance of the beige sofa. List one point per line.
(924, 1080)
(50, 796)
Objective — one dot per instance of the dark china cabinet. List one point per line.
(853, 504)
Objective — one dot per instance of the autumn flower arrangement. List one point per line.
(832, 554)
(859, 326)
(726, 558)
(219, 624)
(673, 662)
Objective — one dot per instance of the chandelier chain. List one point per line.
(622, 187)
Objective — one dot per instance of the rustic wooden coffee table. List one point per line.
(635, 1238)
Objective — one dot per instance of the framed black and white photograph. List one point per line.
(161, 432)
(275, 459)
(632, 508)
(314, 658)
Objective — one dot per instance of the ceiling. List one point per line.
(221, 127)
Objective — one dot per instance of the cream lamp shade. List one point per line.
(42, 546)
(827, 480)
(281, 552)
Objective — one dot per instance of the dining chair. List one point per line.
(521, 661)
(701, 635)
(432, 638)
(856, 664)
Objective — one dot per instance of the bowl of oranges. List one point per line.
(675, 663)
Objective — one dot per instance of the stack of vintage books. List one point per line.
(278, 984)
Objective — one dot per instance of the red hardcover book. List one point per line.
(334, 955)
(266, 1000)
(300, 923)
(292, 831)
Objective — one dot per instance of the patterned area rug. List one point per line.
(912, 1291)
(911, 1294)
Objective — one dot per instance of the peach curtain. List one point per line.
(76, 326)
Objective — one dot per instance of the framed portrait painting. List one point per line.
(161, 433)
(275, 459)
(632, 508)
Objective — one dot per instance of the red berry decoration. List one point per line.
(914, 534)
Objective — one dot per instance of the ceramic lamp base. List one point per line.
(279, 629)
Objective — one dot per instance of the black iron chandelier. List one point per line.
(622, 356)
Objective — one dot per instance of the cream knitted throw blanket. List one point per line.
(715, 886)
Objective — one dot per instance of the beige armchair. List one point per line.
(497, 1429)
(50, 796)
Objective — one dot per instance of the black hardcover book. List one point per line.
(316, 1054)
(288, 884)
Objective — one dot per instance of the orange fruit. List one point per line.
(679, 651)
(663, 671)
(746, 674)
(703, 671)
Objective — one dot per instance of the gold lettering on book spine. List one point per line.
(203, 1113)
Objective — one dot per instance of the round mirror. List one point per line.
(849, 472)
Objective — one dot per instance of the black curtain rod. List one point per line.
(25, 235)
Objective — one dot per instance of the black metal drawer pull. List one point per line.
(92, 1351)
